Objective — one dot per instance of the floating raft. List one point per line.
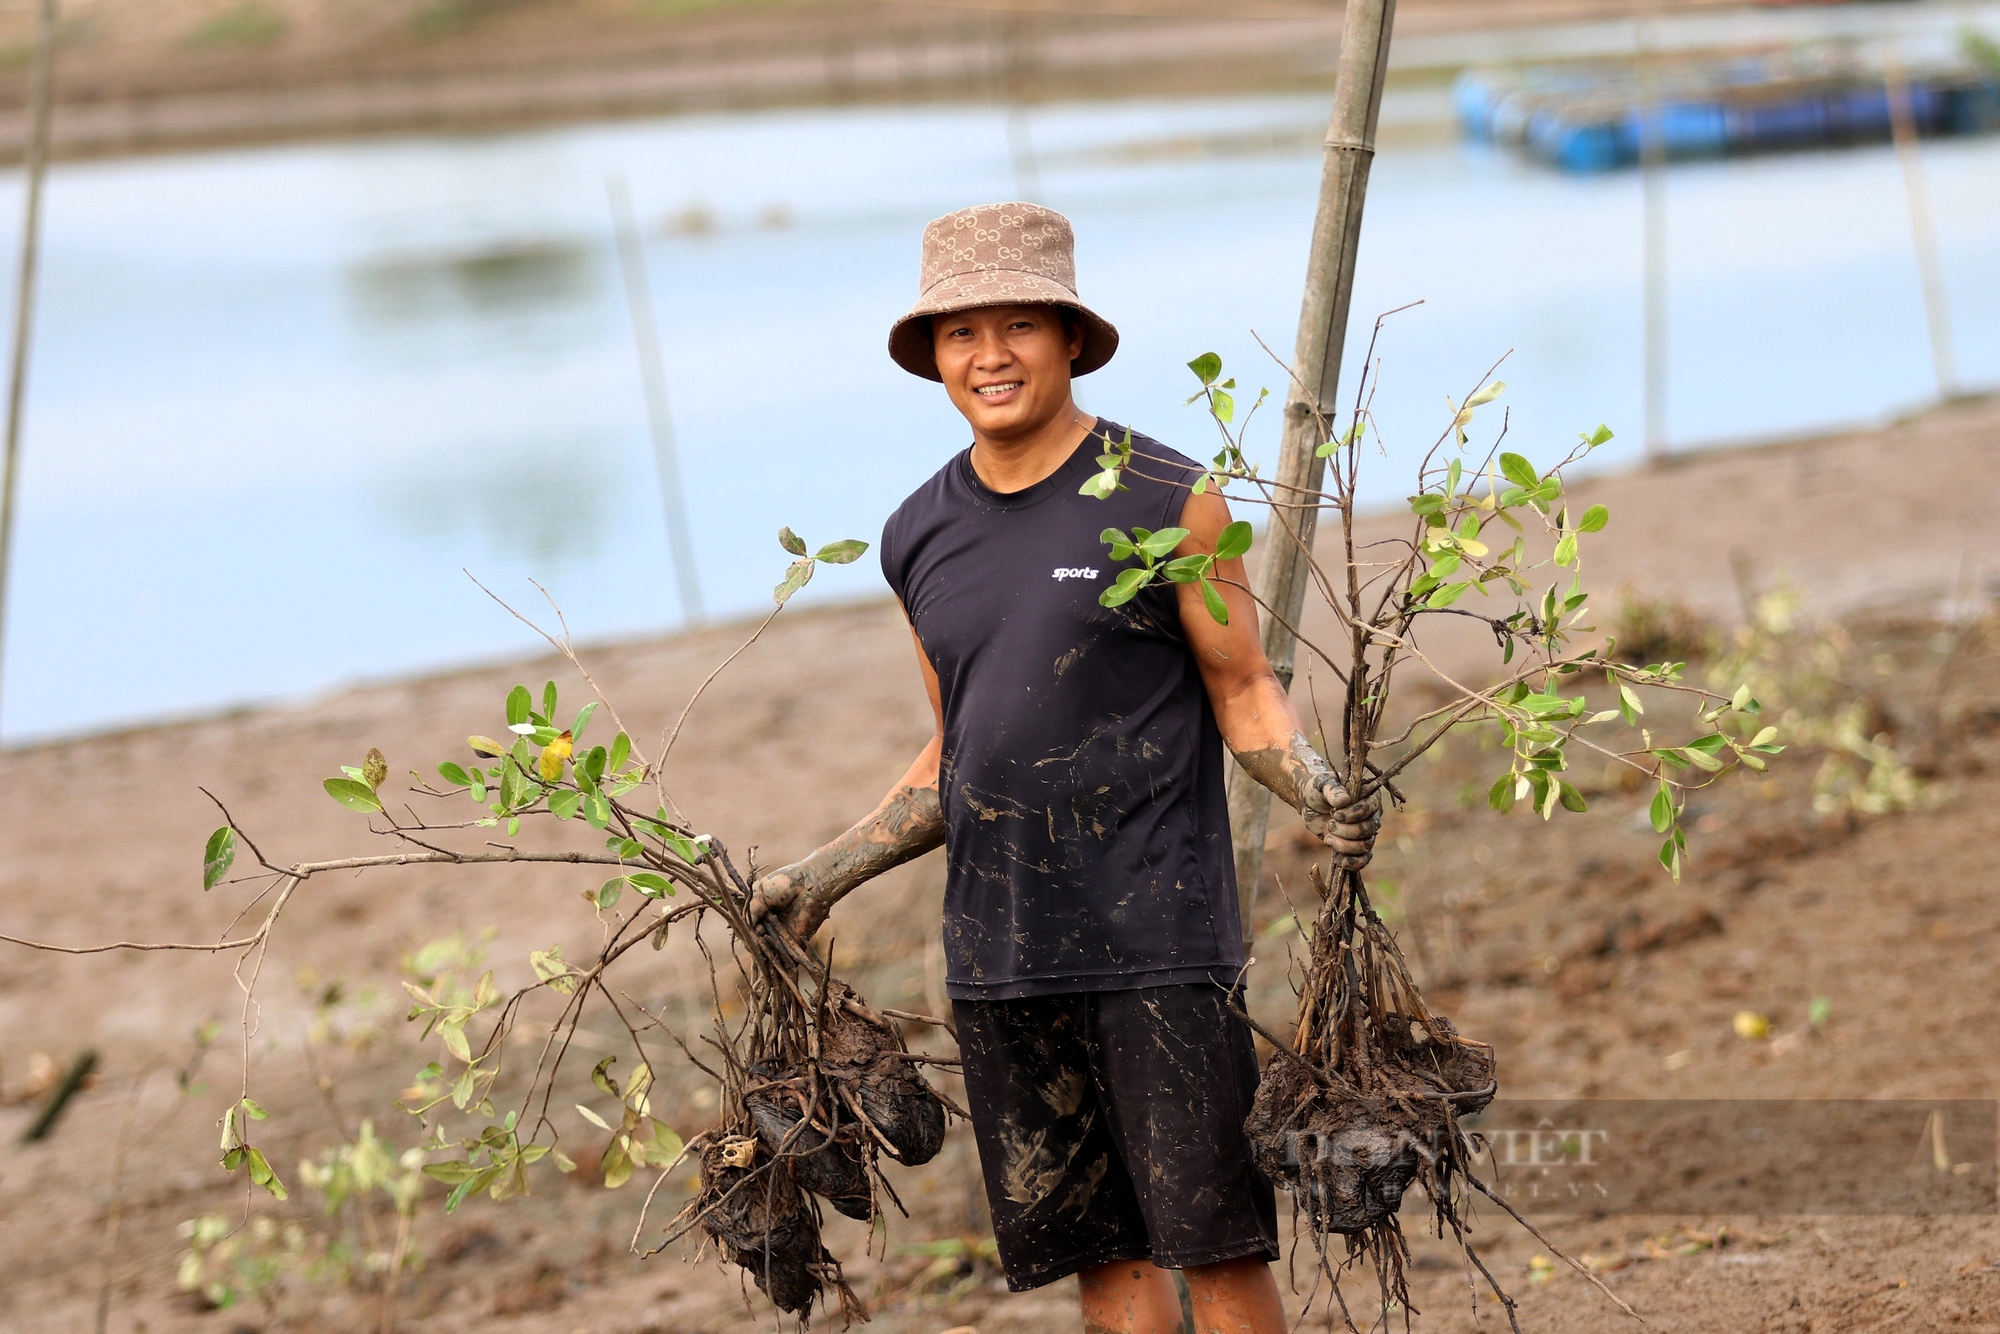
(1587, 116)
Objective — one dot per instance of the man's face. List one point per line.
(1006, 367)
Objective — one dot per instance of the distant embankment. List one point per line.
(136, 76)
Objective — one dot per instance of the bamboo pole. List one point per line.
(35, 167)
(1281, 576)
(1923, 228)
(652, 372)
(1653, 188)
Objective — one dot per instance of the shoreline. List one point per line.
(1974, 419)
(564, 61)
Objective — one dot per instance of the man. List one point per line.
(1076, 782)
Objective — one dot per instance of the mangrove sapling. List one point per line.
(815, 1085)
(1363, 1094)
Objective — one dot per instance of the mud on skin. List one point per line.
(908, 823)
(1299, 775)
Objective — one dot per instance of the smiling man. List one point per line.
(1076, 781)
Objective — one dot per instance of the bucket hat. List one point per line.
(997, 255)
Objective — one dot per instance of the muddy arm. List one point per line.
(1253, 710)
(905, 824)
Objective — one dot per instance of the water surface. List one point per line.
(282, 396)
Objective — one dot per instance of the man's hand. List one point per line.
(782, 892)
(1342, 822)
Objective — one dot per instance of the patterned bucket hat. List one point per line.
(997, 255)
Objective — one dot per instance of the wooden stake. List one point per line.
(1281, 575)
(36, 166)
(652, 372)
(1923, 229)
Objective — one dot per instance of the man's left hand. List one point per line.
(1344, 823)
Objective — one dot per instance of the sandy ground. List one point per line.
(138, 75)
(1593, 975)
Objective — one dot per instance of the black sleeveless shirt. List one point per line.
(1086, 822)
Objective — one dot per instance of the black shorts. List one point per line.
(1110, 1127)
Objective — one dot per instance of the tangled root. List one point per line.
(865, 1055)
(1362, 1101)
(759, 1219)
(903, 1107)
(1348, 1157)
(832, 1167)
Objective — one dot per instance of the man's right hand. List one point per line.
(1345, 824)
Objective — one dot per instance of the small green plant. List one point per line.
(226, 1262)
(1538, 707)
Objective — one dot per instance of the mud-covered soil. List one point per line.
(1591, 973)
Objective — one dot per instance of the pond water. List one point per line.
(281, 397)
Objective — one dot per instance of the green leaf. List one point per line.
(651, 884)
(220, 854)
(1233, 541)
(1566, 549)
(1206, 367)
(471, 1185)
(1628, 702)
(1487, 395)
(609, 892)
(1662, 812)
(519, 705)
(600, 1075)
(617, 1166)
(621, 751)
(1120, 545)
(1708, 745)
(549, 702)
(1101, 485)
(1221, 406)
(1162, 544)
(791, 542)
(453, 1037)
(450, 1173)
(563, 804)
(797, 575)
(261, 1174)
(1447, 595)
(464, 1087)
(353, 794)
(1594, 519)
(1186, 569)
(1212, 599)
(1426, 504)
(454, 774)
(1597, 437)
(1518, 471)
(844, 552)
(550, 968)
(1125, 587)
(1501, 795)
(582, 721)
(1572, 800)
